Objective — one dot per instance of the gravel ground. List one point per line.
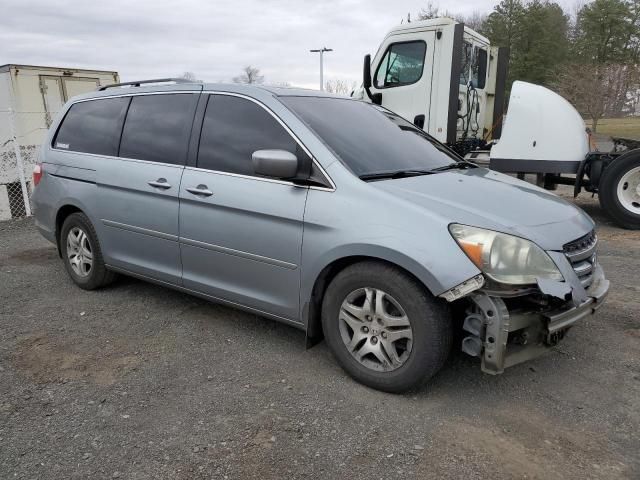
(138, 381)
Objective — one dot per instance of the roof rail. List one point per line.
(142, 82)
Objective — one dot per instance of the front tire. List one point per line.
(619, 190)
(81, 253)
(384, 328)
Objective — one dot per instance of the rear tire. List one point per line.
(619, 190)
(81, 253)
(406, 333)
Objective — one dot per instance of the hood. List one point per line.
(487, 199)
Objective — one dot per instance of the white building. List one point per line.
(30, 98)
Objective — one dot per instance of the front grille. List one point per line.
(582, 256)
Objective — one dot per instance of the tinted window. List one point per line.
(473, 66)
(402, 64)
(368, 138)
(233, 129)
(465, 63)
(93, 127)
(479, 68)
(158, 128)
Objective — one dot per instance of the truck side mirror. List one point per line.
(366, 74)
(366, 81)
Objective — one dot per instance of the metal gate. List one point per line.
(16, 164)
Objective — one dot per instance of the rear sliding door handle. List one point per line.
(201, 190)
(160, 183)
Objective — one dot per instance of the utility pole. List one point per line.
(321, 52)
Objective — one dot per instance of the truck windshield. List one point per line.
(369, 139)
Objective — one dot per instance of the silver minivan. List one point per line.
(330, 214)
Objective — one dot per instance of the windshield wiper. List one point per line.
(395, 174)
(461, 165)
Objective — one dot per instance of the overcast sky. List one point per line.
(213, 39)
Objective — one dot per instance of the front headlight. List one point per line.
(505, 258)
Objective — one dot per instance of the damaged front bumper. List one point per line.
(507, 331)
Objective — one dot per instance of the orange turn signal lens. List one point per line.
(473, 251)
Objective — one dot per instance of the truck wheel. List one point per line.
(619, 190)
(384, 328)
(81, 253)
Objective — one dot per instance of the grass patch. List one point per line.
(627, 127)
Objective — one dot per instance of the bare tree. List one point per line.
(474, 20)
(432, 10)
(340, 87)
(249, 75)
(599, 91)
(190, 76)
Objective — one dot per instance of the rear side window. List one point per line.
(157, 128)
(93, 126)
(479, 68)
(473, 66)
(234, 128)
(402, 64)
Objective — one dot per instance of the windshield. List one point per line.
(369, 139)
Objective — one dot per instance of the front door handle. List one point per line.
(200, 190)
(160, 183)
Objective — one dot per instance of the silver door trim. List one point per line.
(143, 231)
(251, 177)
(238, 253)
(110, 157)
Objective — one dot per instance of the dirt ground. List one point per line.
(137, 381)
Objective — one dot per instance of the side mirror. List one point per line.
(366, 81)
(366, 73)
(275, 163)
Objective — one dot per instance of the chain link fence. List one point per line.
(21, 134)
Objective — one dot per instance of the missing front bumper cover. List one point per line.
(509, 338)
(464, 289)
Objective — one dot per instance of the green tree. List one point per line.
(543, 43)
(537, 35)
(605, 31)
(503, 26)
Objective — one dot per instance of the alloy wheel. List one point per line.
(79, 252)
(375, 329)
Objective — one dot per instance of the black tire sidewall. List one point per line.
(608, 190)
(430, 321)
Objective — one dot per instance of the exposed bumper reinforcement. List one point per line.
(536, 331)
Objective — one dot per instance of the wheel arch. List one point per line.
(312, 300)
(61, 215)
(629, 153)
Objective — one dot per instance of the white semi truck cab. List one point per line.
(448, 80)
(444, 77)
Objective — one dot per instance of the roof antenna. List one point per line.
(409, 17)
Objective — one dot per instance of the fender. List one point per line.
(315, 278)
